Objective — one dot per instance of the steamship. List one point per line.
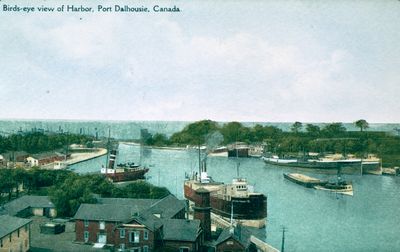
(237, 200)
(122, 172)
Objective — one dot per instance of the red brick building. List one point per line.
(141, 225)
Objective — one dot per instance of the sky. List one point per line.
(263, 61)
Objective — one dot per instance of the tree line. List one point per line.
(67, 190)
(35, 142)
(302, 138)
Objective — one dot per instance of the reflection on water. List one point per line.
(316, 220)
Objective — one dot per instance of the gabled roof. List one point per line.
(106, 212)
(142, 203)
(123, 209)
(17, 205)
(241, 234)
(147, 219)
(181, 229)
(10, 223)
(168, 206)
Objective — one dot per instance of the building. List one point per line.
(235, 239)
(182, 235)
(44, 158)
(29, 205)
(14, 234)
(138, 224)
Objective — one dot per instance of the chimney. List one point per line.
(111, 162)
(202, 211)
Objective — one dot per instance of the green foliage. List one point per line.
(68, 190)
(296, 127)
(36, 142)
(362, 124)
(194, 133)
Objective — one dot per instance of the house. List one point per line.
(239, 238)
(29, 205)
(14, 233)
(44, 158)
(138, 224)
(182, 235)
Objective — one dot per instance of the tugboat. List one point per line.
(338, 186)
(123, 172)
(249, 207)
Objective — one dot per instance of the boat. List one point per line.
(238, 149)
(323, 163)
(124, 171)
(248, 206)
(338, 186)
(304, 180)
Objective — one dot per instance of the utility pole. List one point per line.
(283, 238)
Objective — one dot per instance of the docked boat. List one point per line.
(304, 180)
(237, 199)
(324, 163)
(123, 172)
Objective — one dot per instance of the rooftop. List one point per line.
(17, 205)
(10, 223)
(181, 229)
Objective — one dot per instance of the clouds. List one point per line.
(182, 67)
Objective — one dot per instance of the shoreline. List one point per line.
(85, 156)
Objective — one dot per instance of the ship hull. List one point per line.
(127, 175)
(253, 207)
(307, 182)
(350, 165)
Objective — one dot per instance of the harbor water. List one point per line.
(315, 220)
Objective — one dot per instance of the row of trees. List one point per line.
(332, 137)
(68, 190)
(36, 142)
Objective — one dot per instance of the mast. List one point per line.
(283, 239)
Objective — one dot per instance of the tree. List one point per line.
(312, 129)
(362, 124)
(334, 130)
(296, 127)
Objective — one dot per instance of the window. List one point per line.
(145, 248)
(102, 225)
(135, 249)
(10, 237)
(1, 243)
(146, 235)
(122, 233)
(86, 236)
(18, 233)
(122, 246)
(134, 237)
(183, 249)
(86, 223)
(26, 228)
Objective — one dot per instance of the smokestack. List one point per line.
(111, 161)
(202, 211)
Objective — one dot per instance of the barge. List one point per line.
(304, 180)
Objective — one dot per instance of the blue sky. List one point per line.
(276, 61)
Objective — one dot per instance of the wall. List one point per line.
(94, 230)
(230, 245)
(20, 243)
